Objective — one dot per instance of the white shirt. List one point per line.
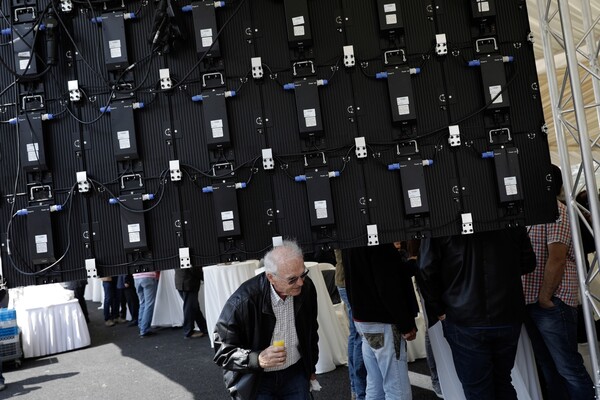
(285, 327)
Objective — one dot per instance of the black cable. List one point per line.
(62, 23)
(207, 50)
(145, 210)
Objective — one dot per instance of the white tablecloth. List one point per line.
(94, 290)
(333, 331)
(524, 373)
(168, 308)
(415, 349)
(49, 322)
(220, 281)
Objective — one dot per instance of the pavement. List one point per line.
(120, 364)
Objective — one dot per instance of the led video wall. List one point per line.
(149, 135)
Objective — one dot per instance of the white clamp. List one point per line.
(90, 267)
(184, 257)
(267, 155)
(361, 147)
(175, 170)
(74, 92)
(83, 185)
(257, 69)
(66, 6)
(277, 241)
(165, 78)
(467, 224)
(373, 237)
(454, 138)
(349, 60)
(441, 46)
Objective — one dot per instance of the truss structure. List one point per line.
(577, 125)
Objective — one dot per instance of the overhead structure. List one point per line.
(573, 117)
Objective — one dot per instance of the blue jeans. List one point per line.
(288, 384)
(146, 291)
(111, 301)
(483, 358)
(553, 334)
(387, 371)
(356, 365)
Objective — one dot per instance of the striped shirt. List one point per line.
(541, 236)
(285, 327)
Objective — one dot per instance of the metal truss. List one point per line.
(575, 117)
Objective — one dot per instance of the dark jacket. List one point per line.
(245, 328)
(188, 279)
(379, 286)
(476, 279)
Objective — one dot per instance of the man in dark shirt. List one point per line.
(384, 307)
(472, 283)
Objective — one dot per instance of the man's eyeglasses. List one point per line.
(294, 279)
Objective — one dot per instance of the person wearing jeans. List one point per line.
(356, 366)
(472, 349)
(472, 283)
(111, 301)
(384, 306)
(384, 355)
(146, 285)
(552, 293)
(562, 367)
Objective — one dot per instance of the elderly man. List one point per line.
(266, 337)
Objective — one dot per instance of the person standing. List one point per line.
(78, 288)
(356, 365)
(127, 286)
(111, 300)
(146, 285)
(384, 307)
(187, 283)
(472, 283)
(551, 294)
(266, 337)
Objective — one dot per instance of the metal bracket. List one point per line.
(303, 64)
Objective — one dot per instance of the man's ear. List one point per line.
(269, 277)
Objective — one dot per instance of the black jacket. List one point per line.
(188, 279)
(476, 279)
(245, 328)
(379, 286)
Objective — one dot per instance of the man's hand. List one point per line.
(272, 356)
(410, 335)
(546, 303)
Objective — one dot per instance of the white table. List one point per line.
(50, 320)
(333, 326)
(94, 290)
(168, 307)
(220, 281)
(524, 373)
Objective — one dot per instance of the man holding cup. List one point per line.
(266, 337)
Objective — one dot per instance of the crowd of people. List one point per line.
(482, 288)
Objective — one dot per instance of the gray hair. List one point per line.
(289, 249)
